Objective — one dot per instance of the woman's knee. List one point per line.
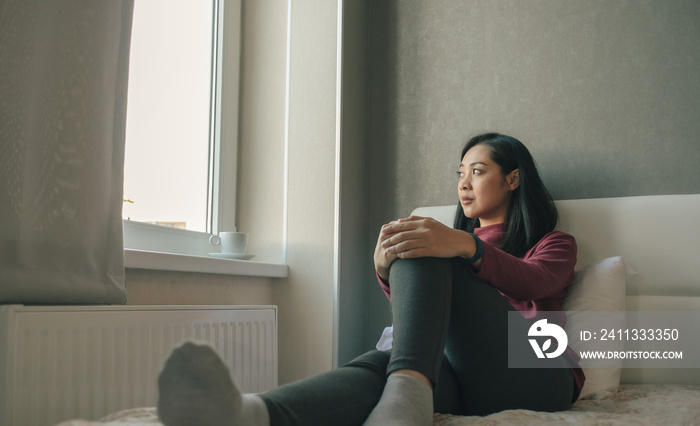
(375, 361)
(420, 270)
(420, 263)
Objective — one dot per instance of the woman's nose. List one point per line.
(464, 183)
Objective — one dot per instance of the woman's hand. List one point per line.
(382, 258)
(418, 236)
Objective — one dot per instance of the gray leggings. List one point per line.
(451, 327)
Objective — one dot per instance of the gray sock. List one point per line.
(254, 412)
(406, 400)
(195, 387)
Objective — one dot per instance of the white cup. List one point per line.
(230, 242)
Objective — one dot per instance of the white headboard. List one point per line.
(658, 236)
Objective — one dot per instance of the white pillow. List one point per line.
(599, 286)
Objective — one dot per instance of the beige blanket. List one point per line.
(632, 404)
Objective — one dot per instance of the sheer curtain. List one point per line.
(63, 85)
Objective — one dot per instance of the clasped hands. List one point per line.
(417, 236)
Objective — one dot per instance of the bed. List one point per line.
(635, 254)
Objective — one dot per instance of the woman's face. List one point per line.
(484, 192)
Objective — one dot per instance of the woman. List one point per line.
(450, 291)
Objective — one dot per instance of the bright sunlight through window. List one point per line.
(168, 129)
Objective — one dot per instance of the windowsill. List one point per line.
(143, 259)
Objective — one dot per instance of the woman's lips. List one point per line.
(466, 200)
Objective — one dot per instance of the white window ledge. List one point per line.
(144, 259)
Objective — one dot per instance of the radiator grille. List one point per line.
(88, 362)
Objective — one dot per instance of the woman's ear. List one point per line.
(513, 179)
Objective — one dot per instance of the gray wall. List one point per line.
(606, 94)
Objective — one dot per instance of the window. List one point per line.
(177, 237)
(172, 196)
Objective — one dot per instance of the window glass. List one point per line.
(168, 131)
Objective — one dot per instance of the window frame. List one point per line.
(148, 246)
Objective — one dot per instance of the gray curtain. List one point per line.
(63, 86)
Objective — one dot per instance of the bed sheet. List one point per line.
(631, 404)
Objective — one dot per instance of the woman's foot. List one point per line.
(195, 387)
(407, 400)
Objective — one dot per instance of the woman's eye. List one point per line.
(476, 171)
(460, 174)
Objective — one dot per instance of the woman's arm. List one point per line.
(544, 271)
(419, 237)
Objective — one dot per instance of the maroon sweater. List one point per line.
(535, 282)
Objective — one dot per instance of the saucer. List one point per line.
(239, 256)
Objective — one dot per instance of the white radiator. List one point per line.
(60, 363)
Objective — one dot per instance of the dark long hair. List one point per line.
(531, 211)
